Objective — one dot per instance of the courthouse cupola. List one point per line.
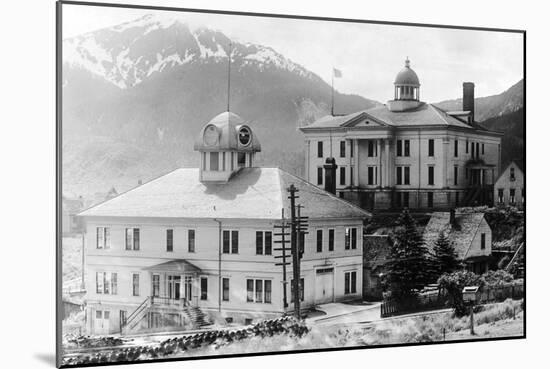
(406, 89)
(226, 144)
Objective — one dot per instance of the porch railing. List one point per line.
(168, 301)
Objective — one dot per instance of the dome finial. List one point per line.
(407, 62)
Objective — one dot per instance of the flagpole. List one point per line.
(229, 73)
(332, 95)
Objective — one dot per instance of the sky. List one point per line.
(368, 55)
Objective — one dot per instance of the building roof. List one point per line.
(407, 76)
(224, 130)
(461, 235)
(423, 115)
(252, 193)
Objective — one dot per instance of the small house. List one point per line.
(510, 187)
(468, 232)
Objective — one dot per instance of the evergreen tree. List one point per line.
(410, 268)
(446, 259)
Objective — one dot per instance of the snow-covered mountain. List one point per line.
(135, 95)
(127, 54)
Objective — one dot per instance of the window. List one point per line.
(455, 175)
(430, 199)
(331, 240)
(263, 242)
(214, 161)
(430, 175)
(370, 175)
(342, 149)
(512, 174)
(347, 238)
(343, 176)
(106, 283)
(472, 149)
(169, 240)
(156, 285)
(259, 290)
(407, 148)
(320, 149)
(320, 176)
(354, 238)
(467, 146)
(132, 238)
(223, 161)
(399, 175)
(204, 288)
(407, 179)
(191, 240)
(241, 159)
(103, 240)
(267, 291)
(482, 149)
(501, 196)
(371, 148)
(399, 148)
(483, 241)
(249, 290)
(225, 287)
(231, 242)
(477, 149)
(456, 148)
(512, 195)
(301, 290)
(319, 240)
(430, 147)
(350, 282)
(135, 284)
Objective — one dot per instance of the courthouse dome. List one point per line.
(407, 76)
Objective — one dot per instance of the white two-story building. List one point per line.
(202, 241)
(406, 153)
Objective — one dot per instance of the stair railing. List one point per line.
(132, 319)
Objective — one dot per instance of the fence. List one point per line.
(437, 300)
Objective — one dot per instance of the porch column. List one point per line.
(388, 169)
(379, 170)
(355, 163)
(349, 148)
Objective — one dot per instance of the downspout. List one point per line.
(219, 264)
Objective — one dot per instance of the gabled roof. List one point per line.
(252, 193)
(423, 115)
(461, 235)
(175, 266)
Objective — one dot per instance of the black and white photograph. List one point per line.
(238, 184)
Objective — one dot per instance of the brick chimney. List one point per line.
(468, 99)
(330, 175)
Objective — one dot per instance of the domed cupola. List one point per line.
(406, 89)
(226, 144)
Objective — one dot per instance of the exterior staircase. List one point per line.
(196, 316)
(133, 321)
(516, 266)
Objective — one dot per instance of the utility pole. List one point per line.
(295, 252)
(283, 233)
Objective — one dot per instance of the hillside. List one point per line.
(487, 107)
(135, 96)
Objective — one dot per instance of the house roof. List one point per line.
(461, 235)
(252, 193)
(423, 115)
(376, 251)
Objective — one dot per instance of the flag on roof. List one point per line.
(337, 73)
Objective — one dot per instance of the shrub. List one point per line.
(454, 283)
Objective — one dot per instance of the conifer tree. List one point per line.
(410, 268)
(446, 259)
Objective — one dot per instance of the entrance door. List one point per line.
(324, 285)
(174, 284)
(188, 288)
(101, 323)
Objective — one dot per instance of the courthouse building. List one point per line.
(406, 153)
(198, 244)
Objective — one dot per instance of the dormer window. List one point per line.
(245, 136)
(512, 174)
